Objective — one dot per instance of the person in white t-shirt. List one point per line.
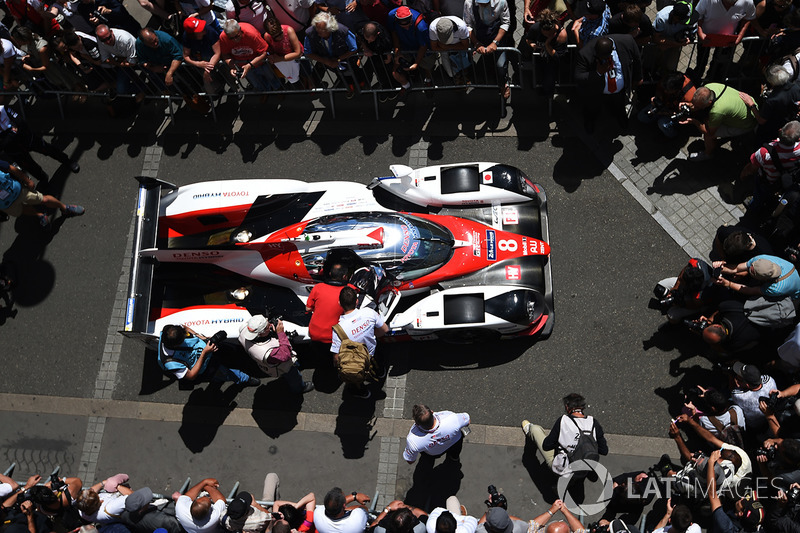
(201, 514)
(334, 516)
(750, 385)
(361, 325)
(452, 519)
(433, 435)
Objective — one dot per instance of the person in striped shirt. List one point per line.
(770, 180)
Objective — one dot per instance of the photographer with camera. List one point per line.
(774, 166)
(747, 510)
(782, 411)
(729, 330)
(783, 515)
(185, 354)
(265, 341)
(669, 106)
(779, 459)
(677, 519)
(776, 277)
(687, 294)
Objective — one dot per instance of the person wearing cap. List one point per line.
(411, 40)
(607, 71)
(674, 27)
(718, 112)
(777, 277)
(490, 21)
(450, 36)
(748, 510)
(245, 515)
(270, 348)
(497, 520)
(749, 385)
(201, 514)
(187, 355)
(452, 518)
(593, 23)
(342, 514)
(142, 516)
(201, 49)
(722, 25)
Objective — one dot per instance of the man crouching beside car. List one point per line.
(187, 355)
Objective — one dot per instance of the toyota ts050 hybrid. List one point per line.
(453, 252)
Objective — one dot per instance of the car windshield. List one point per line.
(409, 248)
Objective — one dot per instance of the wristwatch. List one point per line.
(495, 42)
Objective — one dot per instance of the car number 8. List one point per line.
(507, 245)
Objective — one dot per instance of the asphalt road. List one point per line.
(607, 253)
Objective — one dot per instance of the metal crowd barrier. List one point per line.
(373, 77)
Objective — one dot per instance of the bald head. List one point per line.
(714, 334)
(200, 507)
(557, 527)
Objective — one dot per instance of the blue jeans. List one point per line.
(220, 373)
(263, 79)
(294, 380)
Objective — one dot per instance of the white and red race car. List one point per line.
(453, 252)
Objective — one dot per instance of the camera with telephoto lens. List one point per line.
(496, 499)
(793, 495)
(696, 325)
(595, 527)
(769, 453)
(217, 338)
(99, 16)
(771, 401)
(682, 113)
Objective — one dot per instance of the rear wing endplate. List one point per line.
(137, 309)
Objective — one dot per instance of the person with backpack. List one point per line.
(353, 343)
(574, 437)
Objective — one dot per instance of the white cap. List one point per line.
(254, 327)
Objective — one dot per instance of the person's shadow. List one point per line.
(203, 414)
(275, 408)
(432, 486)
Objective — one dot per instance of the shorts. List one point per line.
(25, 198)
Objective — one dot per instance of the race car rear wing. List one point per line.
(141, 278)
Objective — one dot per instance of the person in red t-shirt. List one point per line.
(242, 46)
(323, 302)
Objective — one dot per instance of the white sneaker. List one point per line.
(698, 156)
(526, 427)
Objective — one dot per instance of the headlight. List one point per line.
(243, 236)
